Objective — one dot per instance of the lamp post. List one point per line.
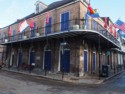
(63, 44)
(46, 49)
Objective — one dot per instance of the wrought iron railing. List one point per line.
(76, 24)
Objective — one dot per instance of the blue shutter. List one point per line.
(87, 21)
(20, 59)
(94, 62)
(65, 22)
(4, 36)
(33, 30)
(13, 35)
(85, 61)
(62, 22)
(48, 26)
(35, 27)
(32, 57)
(94, 25)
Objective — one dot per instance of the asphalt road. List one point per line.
(13, 83)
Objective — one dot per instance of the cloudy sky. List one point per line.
(11, 10)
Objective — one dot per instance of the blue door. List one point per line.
(47, 60)
(32, 57)
(65, 21)
(20, 59)
(94, 62)
(65, 61)
(48, 26)
(85, 61)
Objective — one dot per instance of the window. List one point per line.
(37, 8)
(48, 26)
(13, 35)
(4, 36)
(86, 21)
(33, 30)
(65, 21)
(94, 25)
(21, 35)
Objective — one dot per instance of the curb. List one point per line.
(58, 80)
(108, 78)
(44, 77)
(30, 74)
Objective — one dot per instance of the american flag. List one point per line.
(120, 25)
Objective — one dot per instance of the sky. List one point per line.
(11, 10)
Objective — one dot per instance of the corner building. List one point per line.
(69, 42)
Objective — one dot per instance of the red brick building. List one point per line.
(69, 41)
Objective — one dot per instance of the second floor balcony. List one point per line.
(62, 29)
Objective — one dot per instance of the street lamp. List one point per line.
(63, 46)
(47, 47)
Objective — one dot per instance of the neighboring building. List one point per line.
(69, 40)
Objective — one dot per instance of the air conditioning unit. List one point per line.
(37, 34)
(6, 40)
(24, 37)
(75, 27)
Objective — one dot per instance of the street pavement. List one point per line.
(14, 83)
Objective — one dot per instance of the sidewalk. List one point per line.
(66, 78)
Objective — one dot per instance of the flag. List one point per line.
(110, 29)
(22, 26)
(121, 33)
(120, 25)
(91, 10)
(114, 32)
(105, 22)
(10, 31)
(96, 15)
(47, 17)
(31, 23)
